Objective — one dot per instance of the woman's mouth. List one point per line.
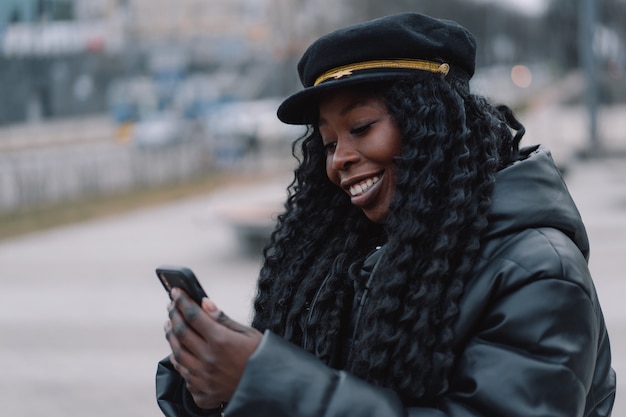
(361, 187)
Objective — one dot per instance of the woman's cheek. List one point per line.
(330, 172)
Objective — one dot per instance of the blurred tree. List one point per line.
(562, 35)
(53, 10)
(15, 16)
(562, 26)
(611, 47)
(562, 18)
(613, 13)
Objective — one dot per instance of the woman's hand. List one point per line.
(209, 349)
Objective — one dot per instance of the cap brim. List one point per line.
(302, 108)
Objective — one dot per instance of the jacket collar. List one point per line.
(531, 193)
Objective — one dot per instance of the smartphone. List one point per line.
(181, 277)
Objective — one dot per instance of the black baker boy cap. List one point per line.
(379, 50)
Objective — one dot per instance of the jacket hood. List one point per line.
(531, 193)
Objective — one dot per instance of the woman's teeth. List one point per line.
(363, 186)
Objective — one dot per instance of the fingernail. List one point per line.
(210, 305)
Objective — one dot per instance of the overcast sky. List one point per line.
(527, 6)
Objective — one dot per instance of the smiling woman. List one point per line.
(424, 264)
(362, 141)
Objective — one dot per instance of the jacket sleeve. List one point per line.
(282, 380)
(172, 395)
(521, 360)
(534, 352)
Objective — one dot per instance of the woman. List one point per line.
(424, 266)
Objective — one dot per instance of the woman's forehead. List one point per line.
(345, 100)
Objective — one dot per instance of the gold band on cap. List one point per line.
(416, 64)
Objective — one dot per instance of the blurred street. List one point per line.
(81, 310)
(102, 98)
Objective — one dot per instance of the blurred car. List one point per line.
(241, 120)
(159, 129)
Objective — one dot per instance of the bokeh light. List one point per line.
(521, 76)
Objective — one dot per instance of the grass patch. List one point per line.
(47, 216)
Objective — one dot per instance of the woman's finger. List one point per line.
(196, 317)
(183, 335)
(190, 310)
(220, 317)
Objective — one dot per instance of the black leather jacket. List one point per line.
(530, 333)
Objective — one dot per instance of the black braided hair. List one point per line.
(453, 144)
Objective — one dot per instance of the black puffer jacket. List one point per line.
(530, 331)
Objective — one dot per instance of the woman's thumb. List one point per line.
(218, 315)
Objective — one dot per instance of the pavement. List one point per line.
(598, 186)
(81, 310)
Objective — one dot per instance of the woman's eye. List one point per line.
(330, 147)
(362, 129)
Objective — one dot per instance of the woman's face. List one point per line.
(361, 140)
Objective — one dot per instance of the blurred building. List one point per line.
(13, 11)
(53, 63)
(50, 47)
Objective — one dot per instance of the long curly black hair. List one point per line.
(453, 144)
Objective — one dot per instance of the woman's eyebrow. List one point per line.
(347, 109)
(352, 106)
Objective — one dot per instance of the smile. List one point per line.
(363, 186)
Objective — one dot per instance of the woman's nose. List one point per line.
(345, 155)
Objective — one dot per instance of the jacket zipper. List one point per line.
(362, 303)
(313, 302)
(359, 308)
